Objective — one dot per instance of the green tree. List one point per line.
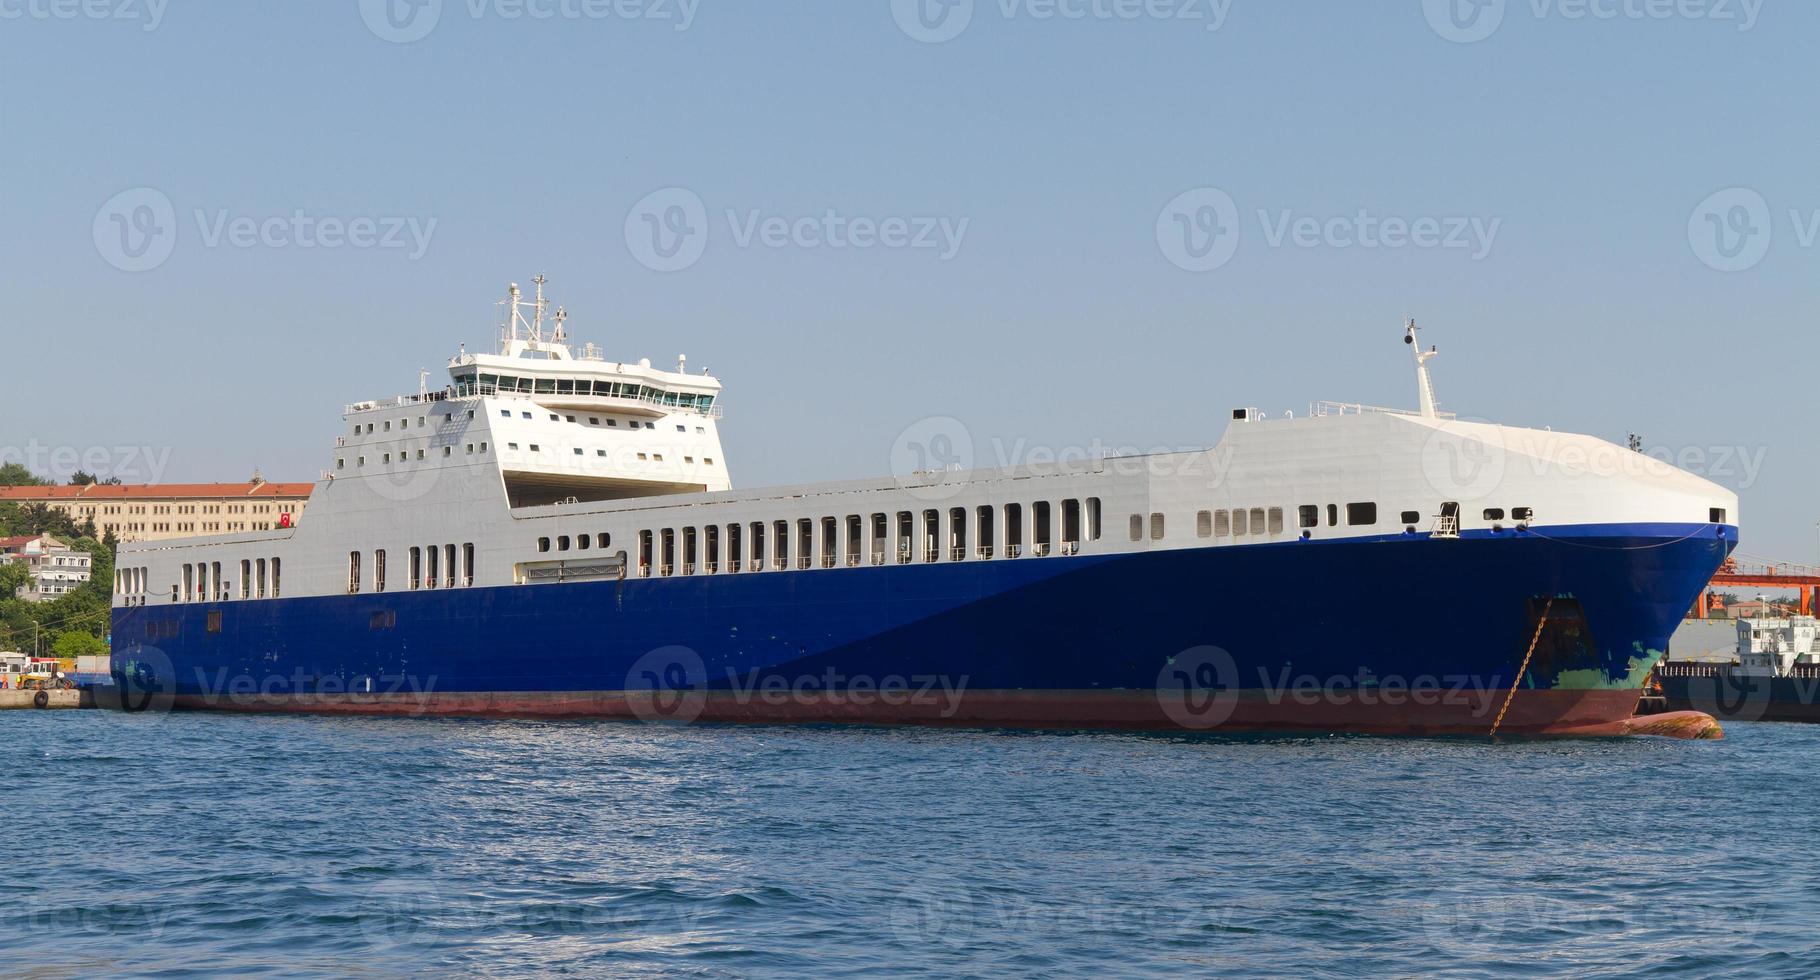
(16, 475)
(12, 579)
(72, 645)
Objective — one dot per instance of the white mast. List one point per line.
(1425, 389)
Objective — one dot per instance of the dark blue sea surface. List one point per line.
(199, 845)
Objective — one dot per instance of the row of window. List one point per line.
(404, 423)
(612, 423)
(1241, 522)
(433, 566)
(602, 453)
(580, 542)
(1039, 529)
(404, 454)
(468, 384)
(203, 581)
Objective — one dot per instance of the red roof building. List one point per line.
(154, 511)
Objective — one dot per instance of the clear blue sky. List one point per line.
(1060, 320)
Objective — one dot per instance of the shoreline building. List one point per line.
(56, 568)
(159, 511)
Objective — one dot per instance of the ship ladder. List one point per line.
(1531, 652)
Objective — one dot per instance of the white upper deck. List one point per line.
(536, 462)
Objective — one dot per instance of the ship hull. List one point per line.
(1546, 632)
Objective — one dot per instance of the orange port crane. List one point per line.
(1760, 573)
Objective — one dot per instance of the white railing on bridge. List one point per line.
(1323, 409)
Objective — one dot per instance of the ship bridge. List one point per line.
(559, 425)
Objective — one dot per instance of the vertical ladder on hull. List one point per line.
(1447, 525)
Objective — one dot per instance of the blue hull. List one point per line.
(1089, 641)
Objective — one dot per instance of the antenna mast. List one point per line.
(1425, 389)
(537, 312)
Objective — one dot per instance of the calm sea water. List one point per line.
(198, 845)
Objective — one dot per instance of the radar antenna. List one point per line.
(1425, 389)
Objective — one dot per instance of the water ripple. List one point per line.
(222, 845)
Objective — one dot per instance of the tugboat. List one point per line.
(1772, 675)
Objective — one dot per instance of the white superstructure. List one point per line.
(539, 464)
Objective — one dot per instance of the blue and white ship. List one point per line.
(556, 534)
